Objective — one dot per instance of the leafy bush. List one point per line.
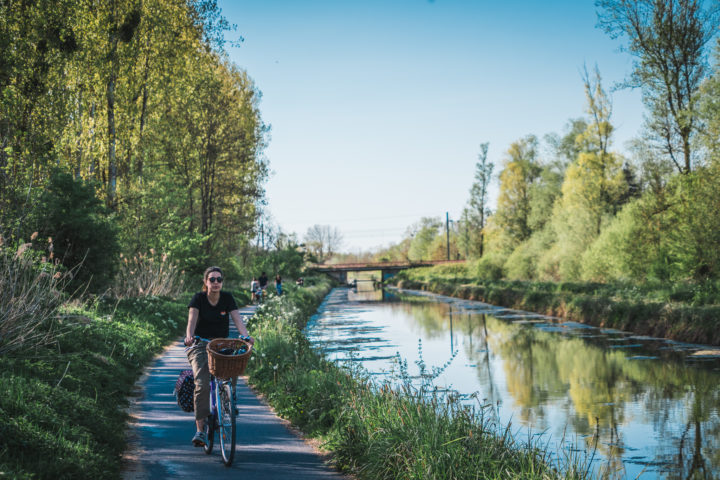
(82, 230)
(612, 256)
(490, 266)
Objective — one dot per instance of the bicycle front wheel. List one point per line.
(226, 420)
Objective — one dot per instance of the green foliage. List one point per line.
(477, 211)
(83, 233)
(668, 41)
(288, 262)
(423, 234)
(522, 264)
(140, 98)
(490, 266)
(667, 236)
(520, 171)
(615, 254)
(61, 406)
(372, 430)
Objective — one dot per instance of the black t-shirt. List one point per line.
(263, 281)
(213, 321)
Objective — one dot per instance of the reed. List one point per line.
(30, 295)
(147, 275)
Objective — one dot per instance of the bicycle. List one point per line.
(224, 370)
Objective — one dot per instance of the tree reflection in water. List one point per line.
(640, 404)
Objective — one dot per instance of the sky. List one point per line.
(377, 108)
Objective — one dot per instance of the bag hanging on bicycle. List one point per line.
(185, 390)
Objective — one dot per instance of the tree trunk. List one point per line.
(112, 79)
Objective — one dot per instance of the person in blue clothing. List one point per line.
(209, 315)
(278, 284)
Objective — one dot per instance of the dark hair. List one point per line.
(208, 271)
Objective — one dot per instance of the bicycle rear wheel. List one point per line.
(226, 421)
(210, 426)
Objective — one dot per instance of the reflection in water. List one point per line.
(645, 406)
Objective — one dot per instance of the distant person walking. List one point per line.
(255, 291)
(209, 314)
(278, 284)
(263, 280)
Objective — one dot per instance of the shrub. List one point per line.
(610, 256)
(490, 266)
(82, 230)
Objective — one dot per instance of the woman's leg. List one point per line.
(201, 373)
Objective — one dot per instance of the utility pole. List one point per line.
(447, 233)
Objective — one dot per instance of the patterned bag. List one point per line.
(185, 390)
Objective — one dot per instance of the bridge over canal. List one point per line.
(339, 271)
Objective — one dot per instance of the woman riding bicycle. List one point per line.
(209, 314)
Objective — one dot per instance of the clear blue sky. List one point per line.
(378, 108)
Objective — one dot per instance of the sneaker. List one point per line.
(199, 439)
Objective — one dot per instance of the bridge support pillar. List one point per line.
(385, 274)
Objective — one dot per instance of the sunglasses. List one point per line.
(215, 279)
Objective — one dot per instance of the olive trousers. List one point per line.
(198, 358)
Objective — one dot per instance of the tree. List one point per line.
(520, 170)
(84, 235)
(667, 39)
(37, 40)
(323, 241)
(478, 211)
(593, 189)
(423, 233)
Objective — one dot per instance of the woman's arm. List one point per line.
(240, 325)
(192, 323)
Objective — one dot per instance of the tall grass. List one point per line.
(378, 431)
(146, 275)
(30, 294)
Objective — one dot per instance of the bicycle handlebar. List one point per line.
(198, 338)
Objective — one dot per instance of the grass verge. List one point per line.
(682, 312)
(61, 410)
(375, 431)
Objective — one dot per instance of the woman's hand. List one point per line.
(189, 341)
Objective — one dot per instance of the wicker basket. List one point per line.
(227, 366)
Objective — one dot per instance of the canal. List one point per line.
(640, 407)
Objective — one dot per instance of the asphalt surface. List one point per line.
(160, 434)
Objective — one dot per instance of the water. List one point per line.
(649, 408)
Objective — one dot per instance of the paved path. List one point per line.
(160, 435)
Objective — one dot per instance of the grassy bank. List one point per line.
(685, 312)
(374, 431)
(61, 410)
